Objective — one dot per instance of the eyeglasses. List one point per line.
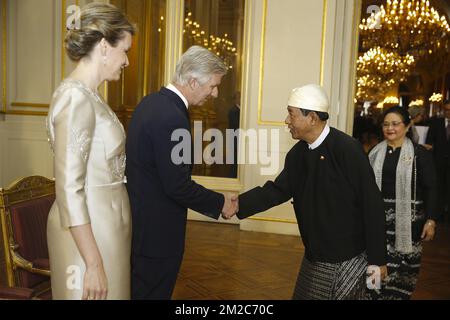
(393, 124)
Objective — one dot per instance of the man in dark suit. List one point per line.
(159, 184)
(439, 138)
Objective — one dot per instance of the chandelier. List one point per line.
(379, 70)
(406, 26)
(416, 103)
(221, 46)
(436, 97)
(373, 87)
(385, 62)
(391, 100)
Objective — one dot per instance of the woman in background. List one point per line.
(405, 174)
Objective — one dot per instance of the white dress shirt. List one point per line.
(320, 139)
(171, 87)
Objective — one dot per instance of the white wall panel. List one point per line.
(25, 150)
(32, 40)
(292, 53)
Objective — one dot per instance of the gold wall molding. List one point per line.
(63, 35)
(4, 54)
(357, 9)
(31, 105)
(290, 221)
(245, 77)
(174, 37)
(147, 33)
(26, 113)
(262, 60)
(324, 33)
(140, 78)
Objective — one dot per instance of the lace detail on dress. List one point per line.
(67, 83)
(117, 167)
(79, 143)
(49, 136)
(72, 83)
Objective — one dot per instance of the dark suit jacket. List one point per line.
(337, 203)
(437, 137)
(159, 190)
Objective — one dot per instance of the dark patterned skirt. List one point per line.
(332, 281)
(403, 269)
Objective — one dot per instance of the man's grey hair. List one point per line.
(199, 63)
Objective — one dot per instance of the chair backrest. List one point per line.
(24, 209)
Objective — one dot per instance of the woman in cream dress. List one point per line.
(89, 227)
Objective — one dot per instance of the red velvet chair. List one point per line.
(24, 264)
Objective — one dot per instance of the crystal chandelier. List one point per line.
(373, 88)
(379, 70)
(416, 103)
(223, 47)
(406, 26)
(436, 97)
(384, 62)
(391, 100)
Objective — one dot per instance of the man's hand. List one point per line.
(231, 205)
(383, 272)
(429, 230)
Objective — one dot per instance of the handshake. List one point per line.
(231, 205)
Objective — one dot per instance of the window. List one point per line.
(218, 25)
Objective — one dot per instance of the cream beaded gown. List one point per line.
(88, 142)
